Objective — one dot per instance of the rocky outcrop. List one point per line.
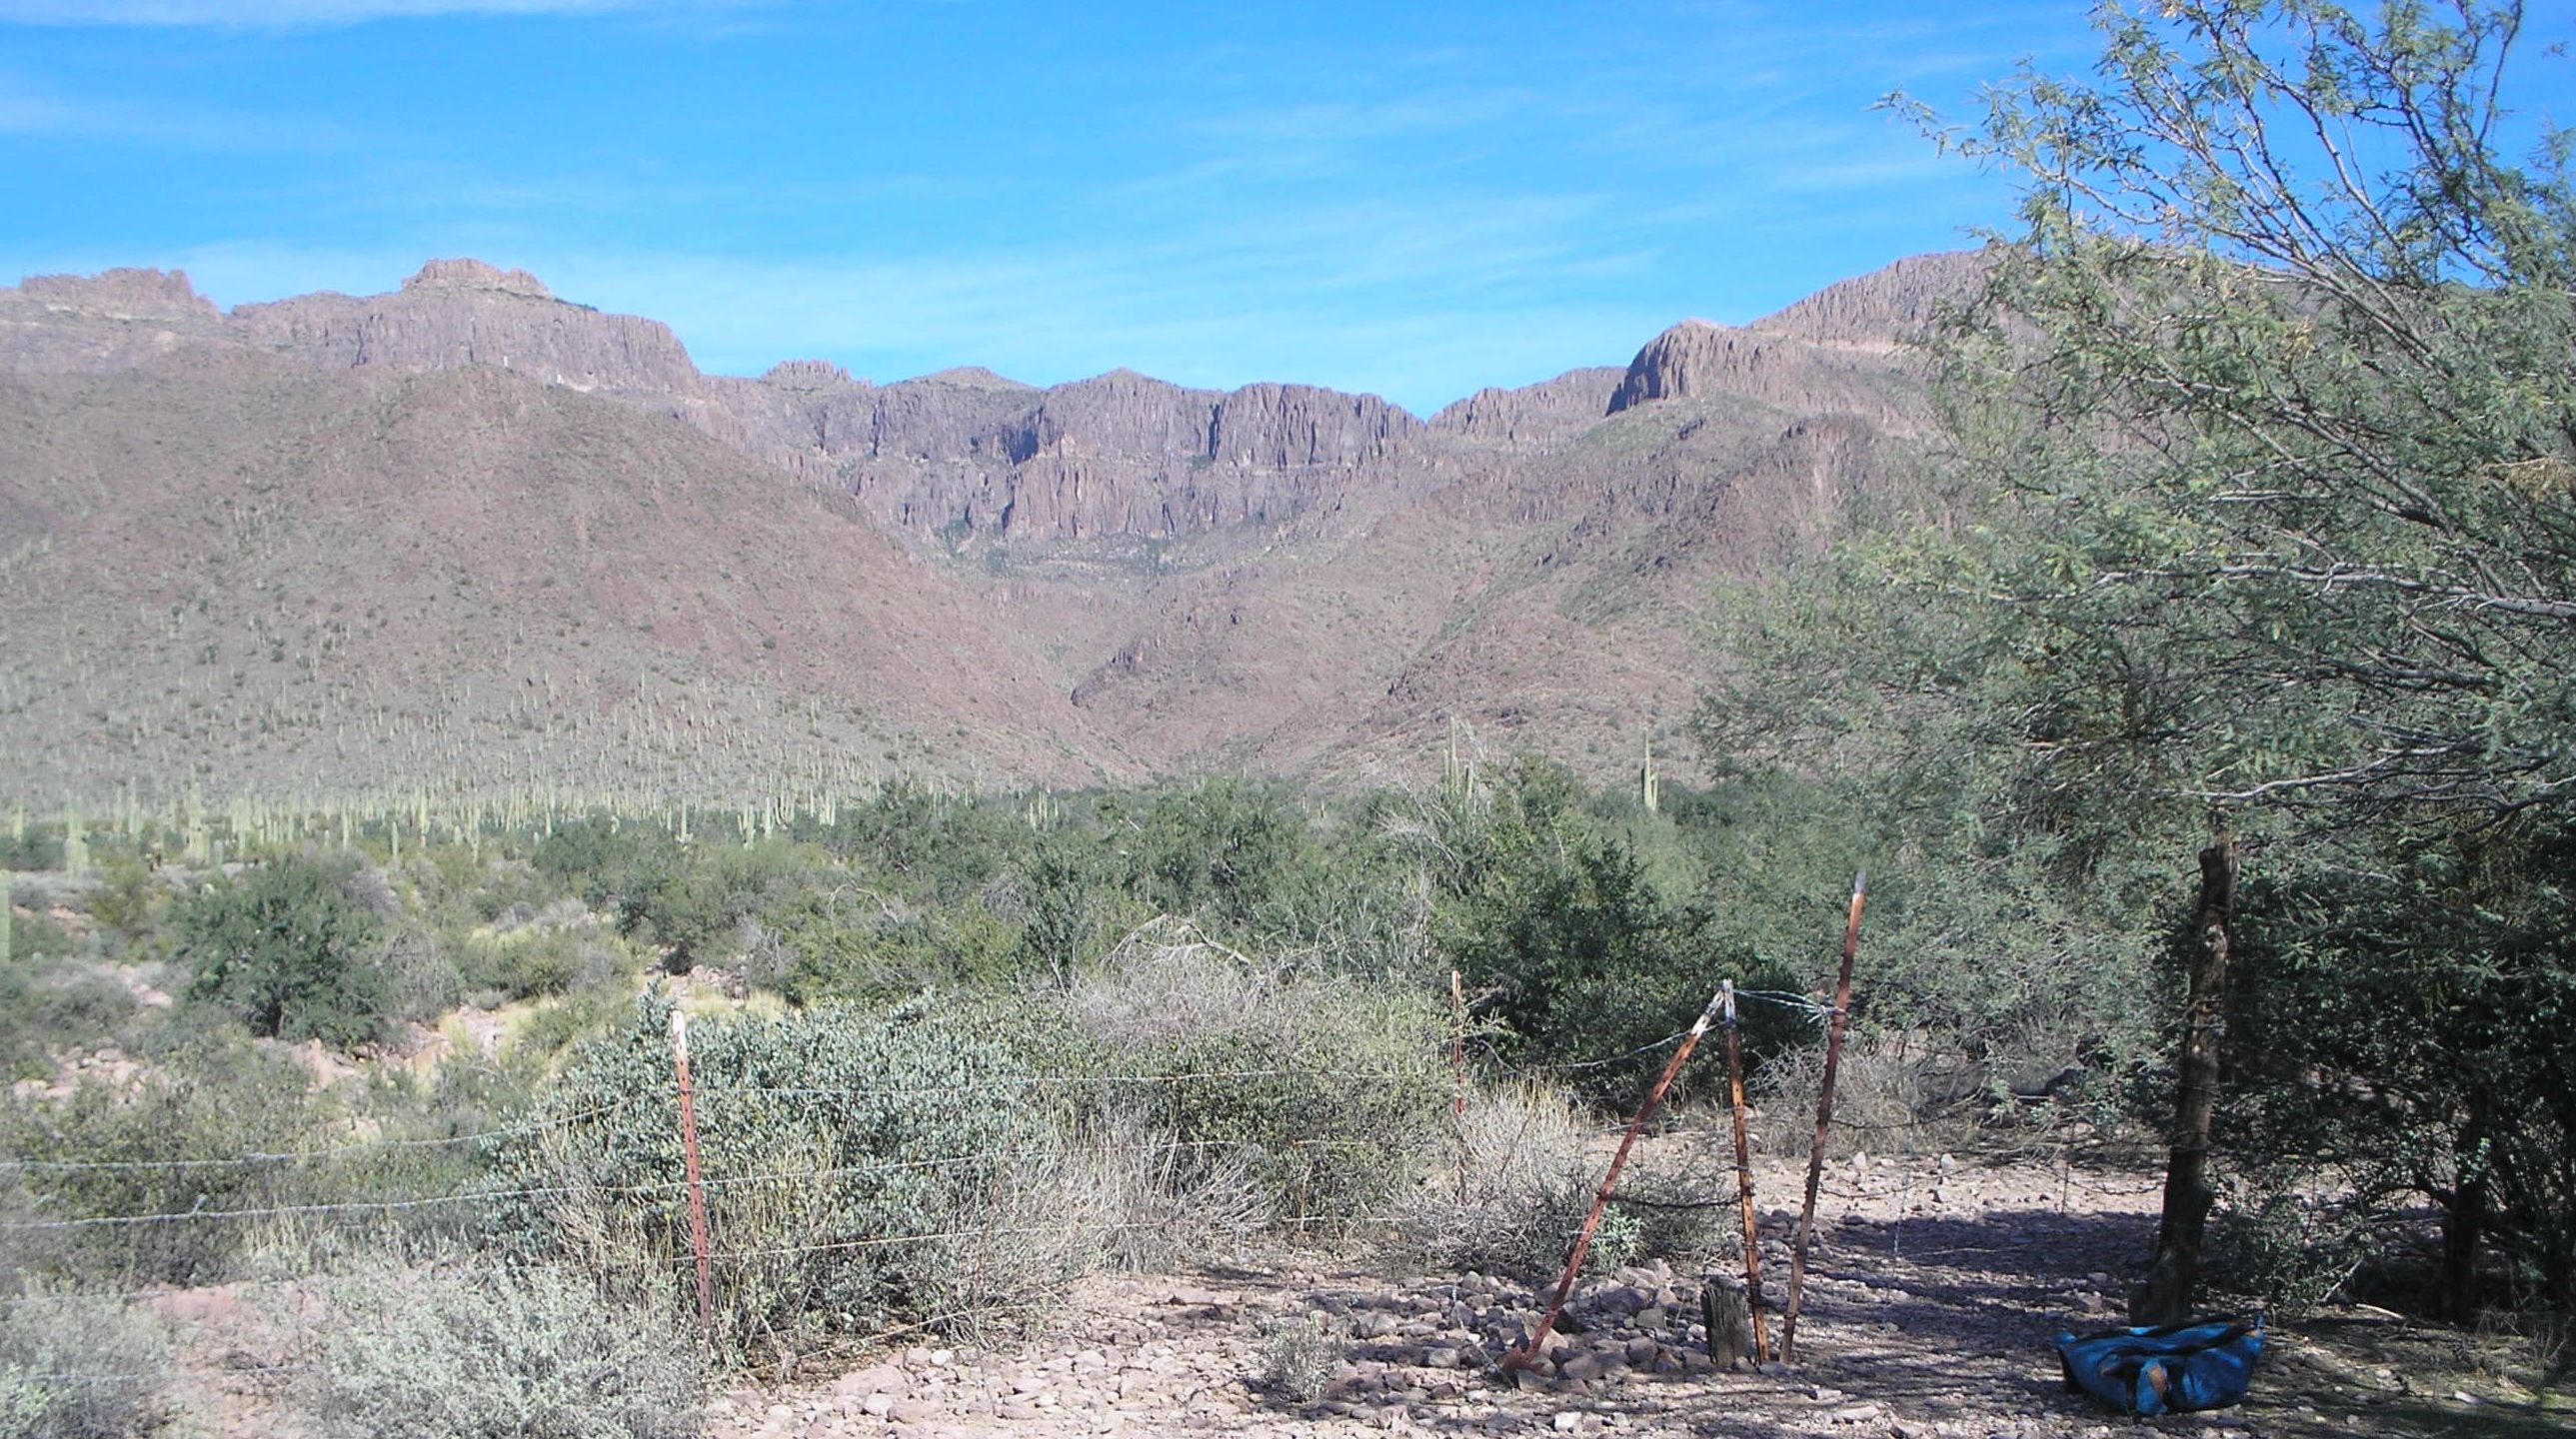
(807, 376)
(1547, 413)
(465, 312)
(1697, 359)
(115, 295)
(86, 324)
(1880, 310)
(477, 275)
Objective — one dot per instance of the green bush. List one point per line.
(286, 949)
(165, 1147)
(79, 1368)
(501, 1353)
(861, 1171)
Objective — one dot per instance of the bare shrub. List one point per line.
(1534, 1158)
(1166, 983)
(1892, 1095)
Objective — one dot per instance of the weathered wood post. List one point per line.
(2165, 1297)
(1824, 1120)
(1527, 1355)
(1744, 1184)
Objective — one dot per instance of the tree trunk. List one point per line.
(2165, 1298)
(2464, 1221)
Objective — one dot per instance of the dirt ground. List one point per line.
(1930, 1303)
(1931, 1299)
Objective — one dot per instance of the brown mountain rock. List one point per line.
(468, 530)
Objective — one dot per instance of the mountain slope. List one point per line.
(468, 534)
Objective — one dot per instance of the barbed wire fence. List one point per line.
(36, 1214)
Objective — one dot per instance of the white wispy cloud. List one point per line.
(286, 14)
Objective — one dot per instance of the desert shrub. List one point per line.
(49, 1004)
(36, 937)
(171, 1143)
(527, 963)
(285, 948)
(497, 1353)
(822, 937)
(1325, 1089)
(1298, 1357)
(74, 1367)
(129, 899)
(862, 1171)
(1219, 850)
(420, 981)
(38, 848)
(1531, 1167)
(2290, 1246)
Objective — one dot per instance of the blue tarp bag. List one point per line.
(2172, 1370)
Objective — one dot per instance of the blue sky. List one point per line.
(1415, 200)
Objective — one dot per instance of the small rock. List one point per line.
(1566, 1421)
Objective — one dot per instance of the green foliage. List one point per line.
(1221, 849)
(79, 1368)
(494, 1353)
(1325, 1091)
(286, 949)
(1551, 911)
(2256, 490)
(852, 1164)
(169, 1147)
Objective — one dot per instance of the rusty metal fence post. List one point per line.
(697, 1193)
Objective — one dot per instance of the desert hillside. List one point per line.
(458, 535)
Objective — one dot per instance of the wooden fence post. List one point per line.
(697, 1193)
(1527, 1355)
(1744, 1184)
(1824, 1120)
(2165, 1297)
(1458, 1062)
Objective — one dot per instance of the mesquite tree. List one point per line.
(2259, 487)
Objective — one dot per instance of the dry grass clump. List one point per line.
(1892, 1095)
(1513, 1204)
(1140, 1201)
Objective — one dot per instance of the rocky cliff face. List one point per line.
(1880, 310)
(115, 295)
(1547, 413)
(77, 324)
(1343, 581)
(463, 312)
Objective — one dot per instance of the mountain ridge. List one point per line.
(1114, 577)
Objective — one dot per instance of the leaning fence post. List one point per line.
(1527, 1355)
(1744, 1182)
(1824, 1120)
(689, 1157)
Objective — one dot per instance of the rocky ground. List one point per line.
(1930, 1302)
